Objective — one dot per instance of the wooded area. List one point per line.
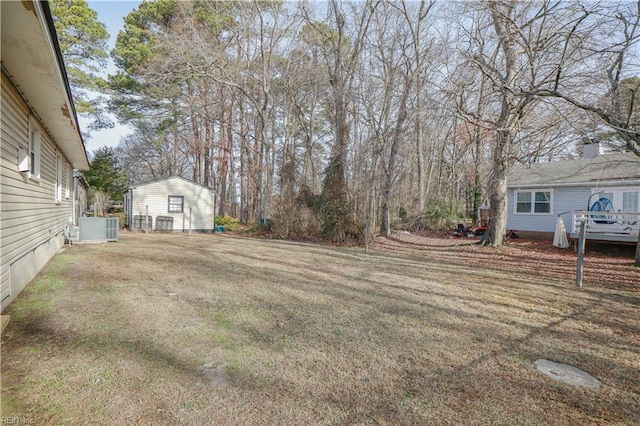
(312, 116)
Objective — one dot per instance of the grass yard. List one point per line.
(209, 329)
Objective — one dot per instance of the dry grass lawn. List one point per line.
(211, 329)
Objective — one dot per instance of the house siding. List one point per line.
(155, 196)
(32, 223)
(563, 200)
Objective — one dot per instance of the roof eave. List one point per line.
(32, 59)
(598, 183)
(54, 47)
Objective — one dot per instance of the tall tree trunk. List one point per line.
(419, 154)
(345, 56)
(223, 152)
(507, 122)
(334, 189)
(497, 229)
(244, 167)
(385, 226)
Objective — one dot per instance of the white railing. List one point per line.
(621, 223)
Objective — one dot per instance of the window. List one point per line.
(523, 203)
(176, 204)
(630, 202)
(58, 189)
(543, 202)
(34, 151)
(538, 202)
(67, 172)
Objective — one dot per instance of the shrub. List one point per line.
(123, 218)
(442, 213)
(229, 223)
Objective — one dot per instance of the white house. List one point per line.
(41, 145)
(170, 204)
(537, 195)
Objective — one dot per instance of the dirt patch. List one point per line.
(215, 329)
(215, 375)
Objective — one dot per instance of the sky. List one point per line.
(111, 13)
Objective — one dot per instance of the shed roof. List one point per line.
(168, 178)
(622, 168)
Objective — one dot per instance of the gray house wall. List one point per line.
(563, 200)
(571, 183)
(152, 198)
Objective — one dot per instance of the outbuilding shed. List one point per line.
(170, 204)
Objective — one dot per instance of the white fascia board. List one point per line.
(54, 59)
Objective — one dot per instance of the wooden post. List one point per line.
(366, 234)
(581, 245)
(214, 210)
(189, 220)
(146, 218)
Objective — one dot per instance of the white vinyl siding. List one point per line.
(32, 225)
(196, 201)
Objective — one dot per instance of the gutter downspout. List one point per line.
(130, 212)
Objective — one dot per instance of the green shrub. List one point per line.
(122, 217)
(442, 213)
(229, 223)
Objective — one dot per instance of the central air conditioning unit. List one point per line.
(99, 228)
(72, 233)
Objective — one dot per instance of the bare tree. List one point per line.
(514, 46)
(598, 70)
(341, 54)
(396, 57)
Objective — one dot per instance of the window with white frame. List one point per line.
(619, 199)
(533, 202)
(34, 151)
(631, 202)
(176, 204)
(68, 172)
(58, 188)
